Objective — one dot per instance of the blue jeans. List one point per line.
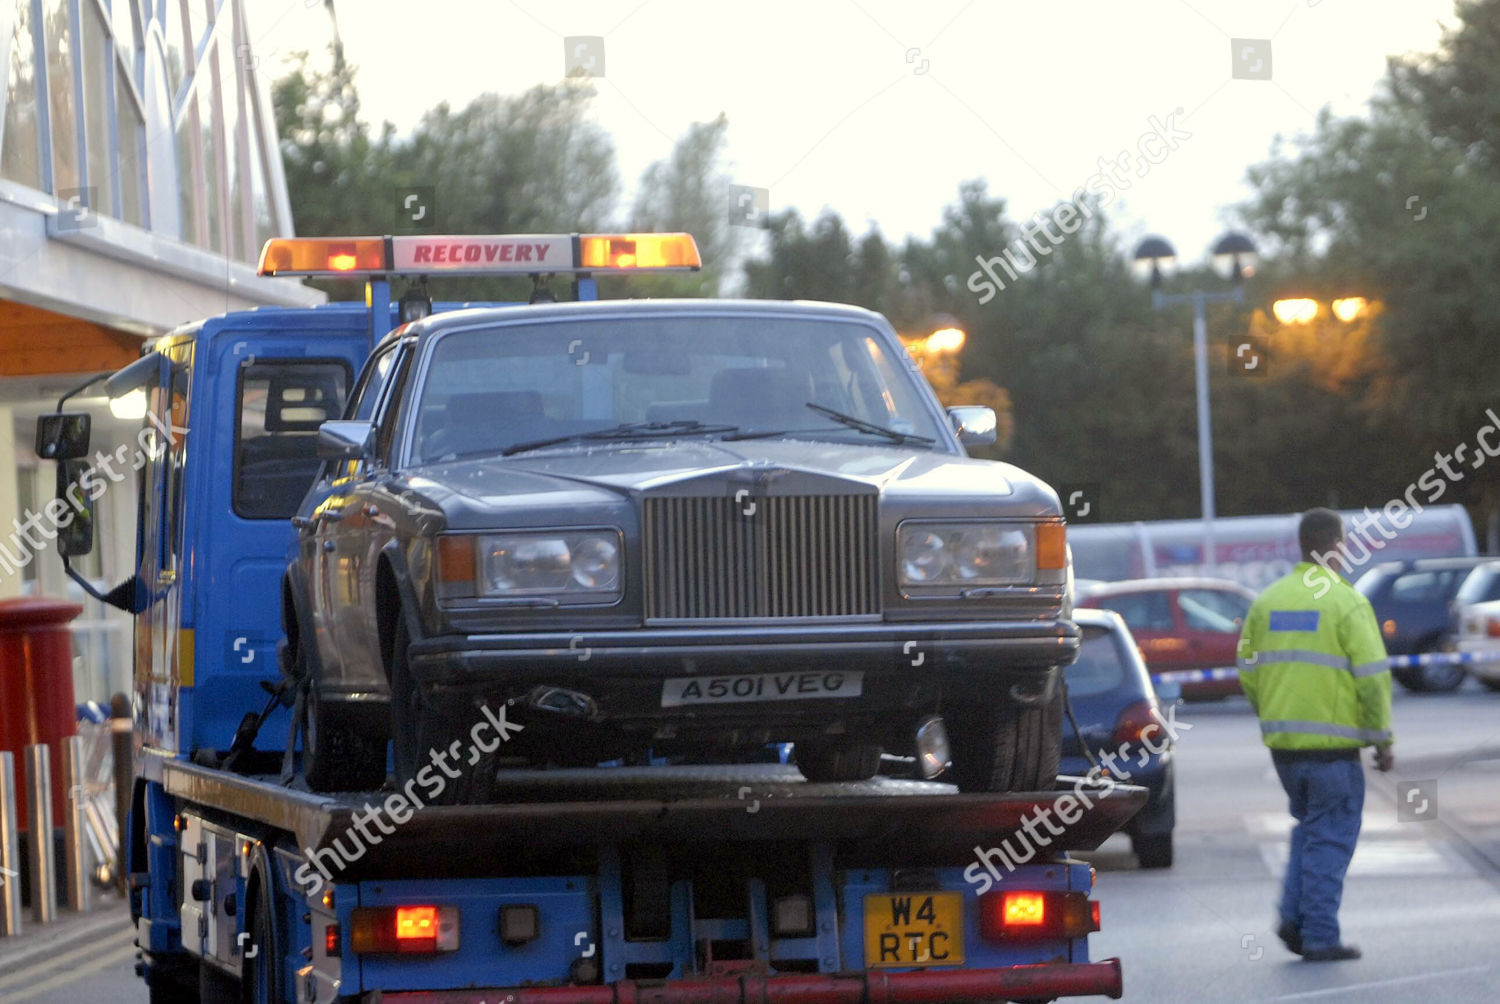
(1326, 800)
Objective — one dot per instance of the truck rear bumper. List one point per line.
(876, 987)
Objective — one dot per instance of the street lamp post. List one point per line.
(1239, 253)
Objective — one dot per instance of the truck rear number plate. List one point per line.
(914, 929)
(791, 686)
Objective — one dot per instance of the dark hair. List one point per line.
(1320, 532)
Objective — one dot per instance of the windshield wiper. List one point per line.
(860, 424)
(626, 430)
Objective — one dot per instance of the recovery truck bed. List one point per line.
(727, 883)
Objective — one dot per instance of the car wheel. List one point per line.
(418, 732)
(260, 971)
(173, 984)
(215, 987)
(1007, 746)
(336, 755)
(1488, 683)
(1438, 679)
(1153, 850)
(824, 761)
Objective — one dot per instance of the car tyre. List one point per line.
(1441, 679)
(1006, 746)
(1153, 850)
(828, 761)
(418, 730)
(336, 756)
(1488, 683)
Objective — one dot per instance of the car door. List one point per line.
(1211, 621)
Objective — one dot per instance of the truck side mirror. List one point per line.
(63, 435)
(974, 424)
(76, 536)
(345, 440)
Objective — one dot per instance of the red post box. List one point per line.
(36, 688)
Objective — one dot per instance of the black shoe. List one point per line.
(1338, 953)
(1291, 937)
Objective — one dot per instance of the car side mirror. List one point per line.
(974, 424)
(63, 435)
(72, 512)
(345, 440)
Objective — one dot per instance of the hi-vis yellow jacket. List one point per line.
(1312, 662)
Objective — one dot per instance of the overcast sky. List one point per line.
(878, 109)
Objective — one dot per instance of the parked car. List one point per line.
(1411, 601)
(1180, 623)
(1113, 699)
(1476, 621)
(685, 527)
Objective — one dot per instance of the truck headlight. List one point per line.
(581, 565)
(978, 554)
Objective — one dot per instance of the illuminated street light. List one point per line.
(945, 340)
(1295, 311)
(1350, 308)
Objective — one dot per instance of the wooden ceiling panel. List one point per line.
(38, 342)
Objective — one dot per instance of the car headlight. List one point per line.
(579, 565)
(978, 554)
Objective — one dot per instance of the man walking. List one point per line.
(1312, 662)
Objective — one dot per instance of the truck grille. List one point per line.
(792, 556)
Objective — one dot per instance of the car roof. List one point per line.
(1168, 582)
(617, 308)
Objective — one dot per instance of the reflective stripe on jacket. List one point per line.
(1314, 666)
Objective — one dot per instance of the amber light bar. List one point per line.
(479, 254)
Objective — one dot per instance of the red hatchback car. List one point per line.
(1180, 624)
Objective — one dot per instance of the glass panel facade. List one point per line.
(62, 103)
(20, 154)
(75, 106)
(132, 131)
(96, 96)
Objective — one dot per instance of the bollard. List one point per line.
(75, 847)
(10, 849)
(39, 836)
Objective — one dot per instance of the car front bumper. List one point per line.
(906, 669)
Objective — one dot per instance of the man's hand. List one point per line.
(1385, 759)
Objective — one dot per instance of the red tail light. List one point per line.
(1011, 914)
(1493, 629)
(1133, 721)
(404, 930)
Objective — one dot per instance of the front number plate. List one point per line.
(790, 686)
(914, 929)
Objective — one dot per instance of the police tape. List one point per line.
(1396, 661)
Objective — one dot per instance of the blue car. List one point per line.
(1413, 601)
(1122, 724)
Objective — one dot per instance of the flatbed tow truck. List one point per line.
(714, 883)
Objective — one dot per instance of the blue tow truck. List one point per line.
(734, 882)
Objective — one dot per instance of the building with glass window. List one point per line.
(139, 176)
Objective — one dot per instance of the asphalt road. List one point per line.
(1422, 898)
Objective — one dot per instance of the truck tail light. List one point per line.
(404, 930)
(1020, 914)
(1133, 721)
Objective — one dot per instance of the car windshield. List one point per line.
(487, 390)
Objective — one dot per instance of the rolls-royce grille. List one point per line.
(766, 557)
